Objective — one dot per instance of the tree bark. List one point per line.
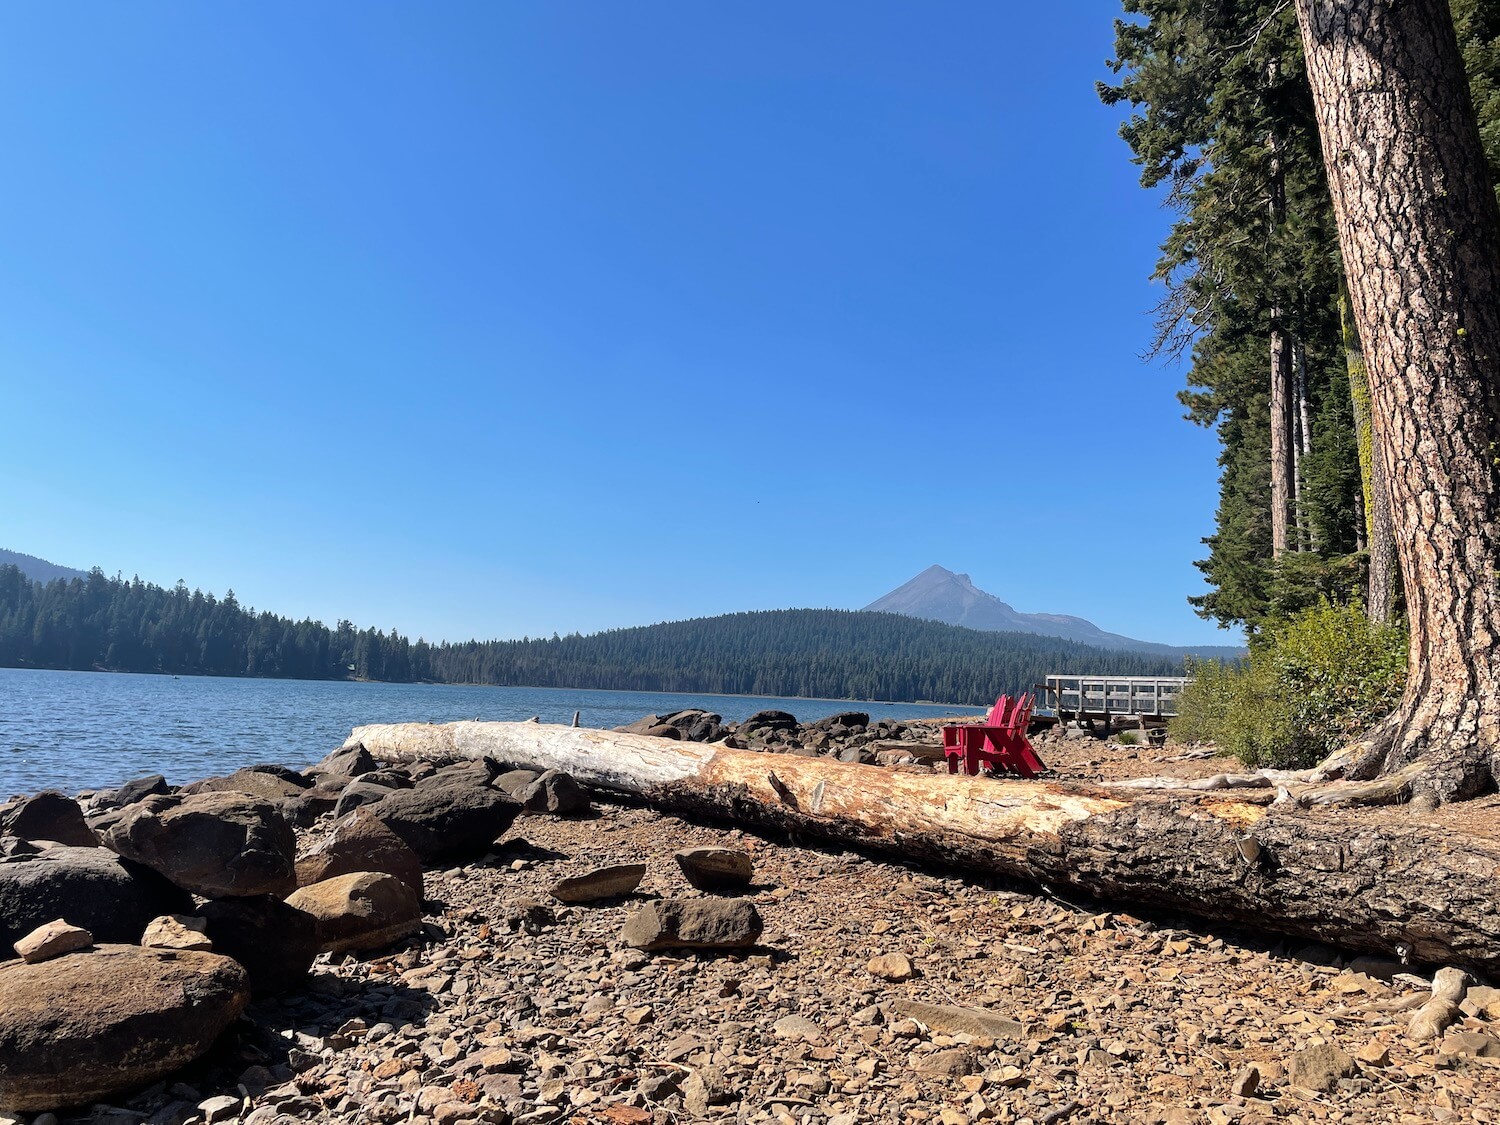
(1377, 538)
(1283, 470)
(1420, 235)
(1369, 886)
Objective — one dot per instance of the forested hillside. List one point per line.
(134, 626)
(1223, 124)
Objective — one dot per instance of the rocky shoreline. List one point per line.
(476, 942)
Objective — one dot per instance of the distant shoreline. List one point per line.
(503, 687)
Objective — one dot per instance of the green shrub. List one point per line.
(1128, 738)
(1311, 685)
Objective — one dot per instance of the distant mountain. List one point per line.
(131, 626)
(38, 570)
(937, 594)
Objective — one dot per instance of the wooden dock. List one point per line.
(1127, 700)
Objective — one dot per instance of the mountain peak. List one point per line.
(939, 594)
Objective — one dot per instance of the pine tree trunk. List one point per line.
(1307, 539)
(1420, 234)
(1377, 537)
(1282, 445)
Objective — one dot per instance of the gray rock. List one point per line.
(716, 869)
(360, 842)
(601, 883)
(694, 924)
(554, 792)
(213, 844)
(513, 781)
(47, 816)
(444, 818)
(139, 789)
(957, 1020)
(78, 1029)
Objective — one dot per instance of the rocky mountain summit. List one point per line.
(938, 594)
(478, 942)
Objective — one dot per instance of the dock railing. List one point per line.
(1092, 698)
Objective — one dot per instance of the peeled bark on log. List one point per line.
(1380, 887)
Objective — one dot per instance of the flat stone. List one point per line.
(796, 1026)
(1470, 1044)
(694, 924)
(178, 931)
(601, 883)
(716, 869)
(957, 1020)
(52, 939)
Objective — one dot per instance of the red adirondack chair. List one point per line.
(999, 743)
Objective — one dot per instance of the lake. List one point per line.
(90, 730)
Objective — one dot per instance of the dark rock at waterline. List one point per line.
(353, 762)
(47, 816)
(79, 1028)
(447, 817)
(213, 844)
(110, 897)
(139, 789)
(253, 782)
(775, 720)
(274, 941)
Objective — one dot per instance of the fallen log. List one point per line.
(1376, 886)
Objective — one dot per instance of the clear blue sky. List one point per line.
(490, 319)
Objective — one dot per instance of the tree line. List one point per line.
(124, 625)
(1256, 298)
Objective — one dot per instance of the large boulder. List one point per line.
(213, 844)
(447, 817)
(360, 842)
(274, 941)
(90, 887)
(694, 923)
(47, 816)
(363, 910)
(77, 1029)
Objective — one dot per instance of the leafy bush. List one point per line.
(1311, 685)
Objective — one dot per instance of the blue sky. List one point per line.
(499, 319)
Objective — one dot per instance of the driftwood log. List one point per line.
(1376, 886)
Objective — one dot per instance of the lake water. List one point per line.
(88, 730)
